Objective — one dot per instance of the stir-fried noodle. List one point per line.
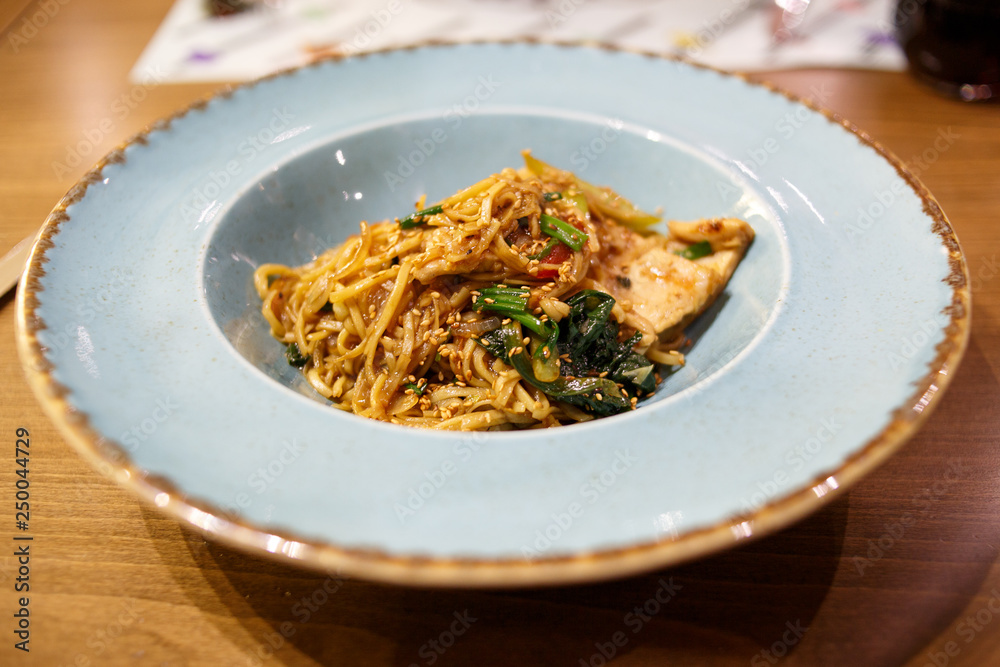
(436, 320)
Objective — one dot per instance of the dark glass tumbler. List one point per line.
(954, 45)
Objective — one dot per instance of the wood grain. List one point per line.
(903, 569)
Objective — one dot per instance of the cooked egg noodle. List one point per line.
(373, 316)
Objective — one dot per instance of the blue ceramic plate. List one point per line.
(140, 332)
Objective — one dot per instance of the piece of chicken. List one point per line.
(661, 291)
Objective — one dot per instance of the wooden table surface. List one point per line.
(115, 583)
